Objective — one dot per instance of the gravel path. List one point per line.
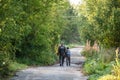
(56, 72)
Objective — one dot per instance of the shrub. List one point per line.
(114, 76)
(108, 77)
(4, 64)
(98, 63)
(89, 53)
(92, 66)
(44, 58)
(95, 68)
(116, 71)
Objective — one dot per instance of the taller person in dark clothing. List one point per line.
(61, 51)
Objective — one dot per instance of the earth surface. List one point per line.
(56, 72)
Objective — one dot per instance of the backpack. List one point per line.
(62, 50)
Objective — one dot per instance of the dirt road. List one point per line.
(56, 72)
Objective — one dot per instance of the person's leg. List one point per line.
(69, 60)
(60, 60)
(63, 57)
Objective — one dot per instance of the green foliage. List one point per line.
(29, 31)
(70, 34)
(98, 63)
(99, 20)
(42, 59)
(89, 53)
(115, 70)
(9, 69)
(4, 64)
(96, 68)
(16, 66)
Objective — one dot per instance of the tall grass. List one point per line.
(115, 70)
(99, 60)
(105, 55)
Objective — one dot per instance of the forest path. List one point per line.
(56, 72)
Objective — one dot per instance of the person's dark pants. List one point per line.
(61, 60)
(68, 60)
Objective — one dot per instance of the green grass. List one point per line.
(14, 66)
(11, 69)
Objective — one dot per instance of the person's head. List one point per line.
(61, 44)
(67, 47)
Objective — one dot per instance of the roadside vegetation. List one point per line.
(31, 31)
(99, 23)
(101, 64)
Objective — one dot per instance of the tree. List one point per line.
(100, 18)
(29, 31)
(71, 34)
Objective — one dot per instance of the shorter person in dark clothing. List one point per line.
(68, 54)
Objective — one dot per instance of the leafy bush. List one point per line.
(29, 31)
(4, 64)
(108, 77)
(115, 72)
(44, 58)
(13, 66)
(98, 63)
(96, 69)
(90, 53)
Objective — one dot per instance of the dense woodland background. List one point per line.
(31, 30)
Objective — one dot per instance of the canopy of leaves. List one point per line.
(30, 31)
(71, 31)
(100, 20)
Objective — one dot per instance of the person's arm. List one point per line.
(58, 50)
(69, 52)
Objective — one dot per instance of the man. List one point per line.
(61, 51)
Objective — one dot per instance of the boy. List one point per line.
(68, 54)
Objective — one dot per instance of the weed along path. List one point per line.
(56, 72)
